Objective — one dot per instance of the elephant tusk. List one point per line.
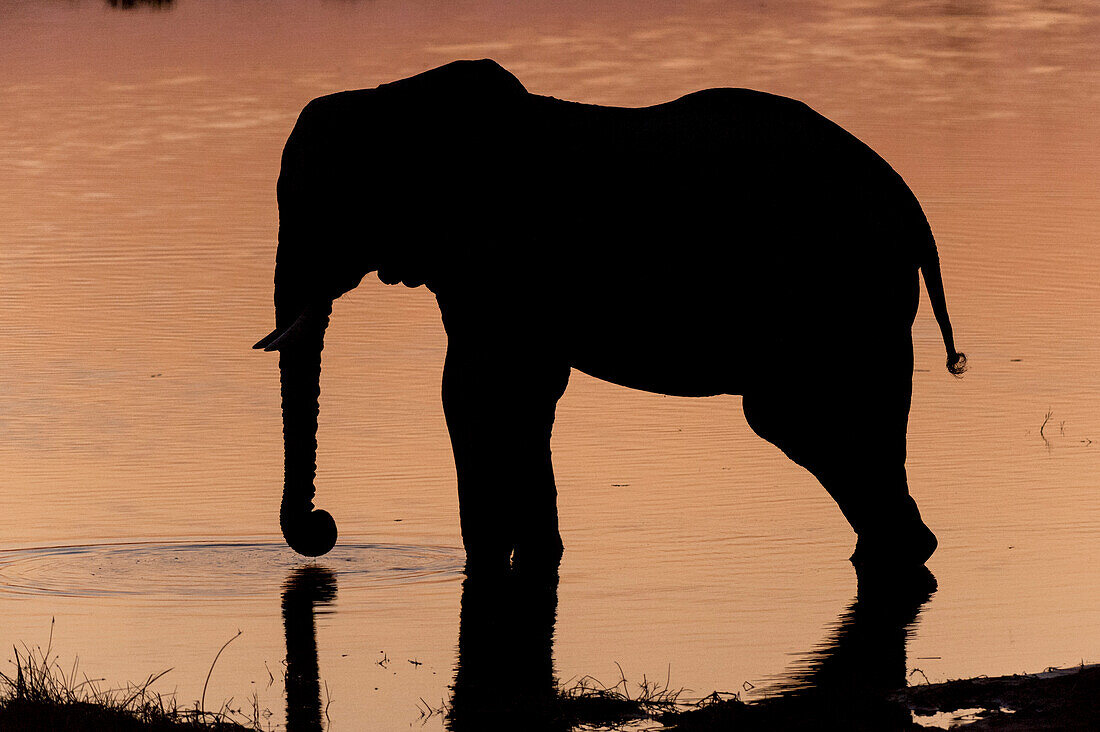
(267, 339)
(276, 339)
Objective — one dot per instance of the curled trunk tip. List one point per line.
(307, 530)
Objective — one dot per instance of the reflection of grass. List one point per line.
(41, 694)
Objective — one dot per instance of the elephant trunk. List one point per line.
(307, 530)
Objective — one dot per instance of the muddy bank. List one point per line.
(1054, 699)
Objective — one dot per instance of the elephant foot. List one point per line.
(530, 556)
(534, 558)
(899, 591)
(481, 565)
(894, 550)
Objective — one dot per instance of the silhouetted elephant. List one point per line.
(729, 242)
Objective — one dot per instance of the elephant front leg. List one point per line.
(499, 406)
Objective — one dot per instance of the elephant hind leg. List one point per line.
(499, 404)
(852, 440)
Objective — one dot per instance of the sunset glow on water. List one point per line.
(140, 436)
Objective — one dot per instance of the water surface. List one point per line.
(140, 436)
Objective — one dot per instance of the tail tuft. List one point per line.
(956, 364)
(933, 281)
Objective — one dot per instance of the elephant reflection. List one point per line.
(504, 678)
(728, 242)
(848, 682)
(306, 590)
(505, 669)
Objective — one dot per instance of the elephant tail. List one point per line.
(933, 282)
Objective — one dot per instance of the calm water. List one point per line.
(140, 436)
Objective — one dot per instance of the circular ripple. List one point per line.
(210, 570)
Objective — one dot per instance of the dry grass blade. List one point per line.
(202, 701)
(589, 700)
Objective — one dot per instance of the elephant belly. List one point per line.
(687, 328)
(686, 377)
(680, 359)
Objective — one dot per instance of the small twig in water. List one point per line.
(1050, 413)
(429, 711)
(918, 671)
(328, 702)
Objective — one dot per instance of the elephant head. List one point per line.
(543, 227)
(347, 151)
(303, 302)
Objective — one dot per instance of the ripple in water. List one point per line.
(210, 570)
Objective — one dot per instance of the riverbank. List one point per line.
(1054, 699)
(40, 694)
(39, 698)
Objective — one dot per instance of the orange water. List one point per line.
(138, 155)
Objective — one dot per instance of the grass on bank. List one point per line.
(582, 703)
(43, 695)
(588, 701)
